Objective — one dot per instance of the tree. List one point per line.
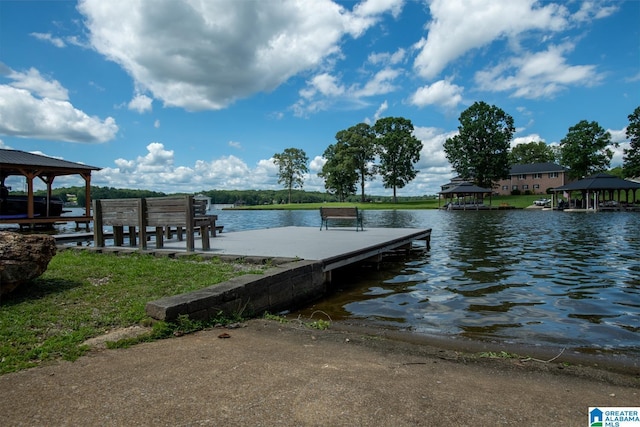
(531, 152)
(339, 171)
(480, 151)
(292, 165)
(631, 160)
(360, 143)
(585, 150)
(398, 150)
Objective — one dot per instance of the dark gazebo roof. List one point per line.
(466, 188)
(14, 162)
(601, 181)
(31, 166)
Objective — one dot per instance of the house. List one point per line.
(534, 178)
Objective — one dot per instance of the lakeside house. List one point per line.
(536, 178)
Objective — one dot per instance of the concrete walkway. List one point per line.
(273, 374)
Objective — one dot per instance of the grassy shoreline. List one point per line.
(85, 294)
(518, 202)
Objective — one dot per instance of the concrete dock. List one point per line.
(334, 248)
(306, 258)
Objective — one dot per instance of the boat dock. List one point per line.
(305, 258)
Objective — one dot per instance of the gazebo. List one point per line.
(600, 191)
(31, 166)
(467, 195)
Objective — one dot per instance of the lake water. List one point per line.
(520, 276)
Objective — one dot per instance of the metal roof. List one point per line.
(521, 169)
(12, 160)
(466, 188)
(601, 181)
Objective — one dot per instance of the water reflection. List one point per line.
(549, 278)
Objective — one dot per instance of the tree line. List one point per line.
(351, 159)
(480, 152)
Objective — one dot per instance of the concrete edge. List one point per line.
(281, 287)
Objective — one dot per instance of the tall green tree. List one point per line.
(631, 160)
(360, 144)
(398, 150)
(480, 151)
(292, 165)
(339, 171)
(585, 150)
(531, 152)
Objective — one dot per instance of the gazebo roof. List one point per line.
(601, 181)
(14, 162)
(466, 188)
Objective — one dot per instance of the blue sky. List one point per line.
(173, 95)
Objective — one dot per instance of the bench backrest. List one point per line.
(348, 212)
(168, 211)
(199, 207)
(118, 212)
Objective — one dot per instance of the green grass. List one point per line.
(516, 201)
(84, 294)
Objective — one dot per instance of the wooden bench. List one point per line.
(159, 213)
(338, 214)
(117, 213)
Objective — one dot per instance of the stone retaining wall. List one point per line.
(285, 286)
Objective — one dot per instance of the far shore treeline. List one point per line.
(223, 197)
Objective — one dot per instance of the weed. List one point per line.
(501, 355)
(276, 317)
(318, 324)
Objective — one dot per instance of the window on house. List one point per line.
(537, 176)
(553, 174)
(525, 187)
(515, 187)
(523, 176)
(536, 186)
(505, 187)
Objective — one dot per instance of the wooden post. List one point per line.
(98, 234)
(142, 222)
(189, 222)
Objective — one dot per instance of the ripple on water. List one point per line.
(548, 278)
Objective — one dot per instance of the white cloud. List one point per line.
(387, 58)
(432, 155)
(32, 106)
(23, 115)
(442, 93)
(594, 10)
(56, 41)
(206, 55)
(235, 144)
(459, 26)
(537, 75)
(34, 82)
(534, 137)
(156, 171)
(381, 109)
(140, 103)
(380, 84)
(156, 124)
